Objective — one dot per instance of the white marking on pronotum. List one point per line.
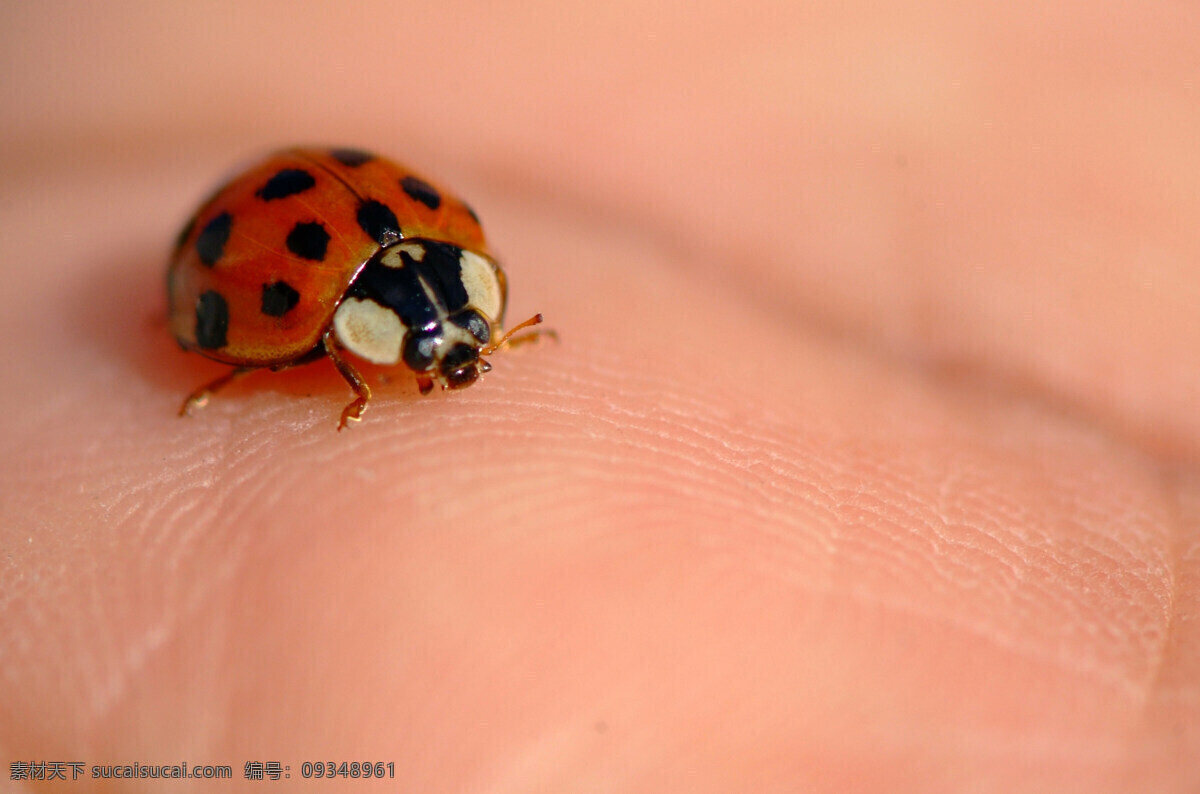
(482, 286)
(392, 258)
(369, 331)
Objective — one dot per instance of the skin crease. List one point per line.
(867, 461)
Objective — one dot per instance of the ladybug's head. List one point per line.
(460, 362)
(459, 365)
(450, 353)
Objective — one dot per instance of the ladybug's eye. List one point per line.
(420, 349)
(473, 322)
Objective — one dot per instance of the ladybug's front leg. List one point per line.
(199, 398)
(354, 411)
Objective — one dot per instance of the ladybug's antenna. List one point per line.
(504, 340)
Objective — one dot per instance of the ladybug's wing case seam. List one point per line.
(422, 208)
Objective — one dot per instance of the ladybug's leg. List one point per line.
(199, 398)
(354, 411)
(529, 337)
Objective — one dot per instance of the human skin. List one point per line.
(867, 459)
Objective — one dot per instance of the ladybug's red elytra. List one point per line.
(329, 252)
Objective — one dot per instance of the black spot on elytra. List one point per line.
(279, 298)
(422, 191)
(378, 221)
(308, 240)
(212, 320)
(210, 245)
(287, 182)
(351, 158)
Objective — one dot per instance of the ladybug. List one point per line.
(338, 253)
